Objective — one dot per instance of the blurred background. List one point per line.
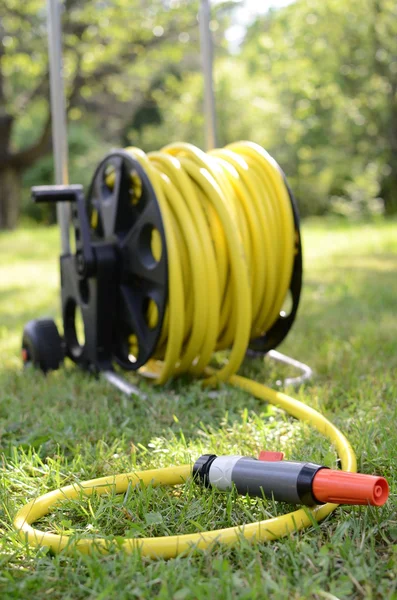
(313, 81)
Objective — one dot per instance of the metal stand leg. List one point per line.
(287, 360)
(207, 59)
(58, 114)
(122, 384)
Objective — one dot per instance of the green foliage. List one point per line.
(111, 49)
(180, 102)
(86, 149)
(314, 82)
(70, 426)
(361, 194)
(333, 69)
(312, 86)
(117, 56)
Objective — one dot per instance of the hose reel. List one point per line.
(118, 275)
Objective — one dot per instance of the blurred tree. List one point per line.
(113, 49)
(332, 68)
(315, 83)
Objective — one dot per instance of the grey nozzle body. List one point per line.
(286, 481)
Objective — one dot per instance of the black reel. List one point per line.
(118, 274)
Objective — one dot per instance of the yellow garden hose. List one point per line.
(230, 245)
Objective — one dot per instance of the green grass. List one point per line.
(69, 427)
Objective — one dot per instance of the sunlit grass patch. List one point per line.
(69, 427)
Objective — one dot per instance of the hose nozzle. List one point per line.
(340, 487)
(289, 481)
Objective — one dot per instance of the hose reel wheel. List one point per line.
(123, 211)
(42, 346)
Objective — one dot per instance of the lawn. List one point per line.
(70, 427)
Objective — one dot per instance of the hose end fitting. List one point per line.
(201, 468)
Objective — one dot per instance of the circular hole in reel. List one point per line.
(107, 183)
(133, 348)
(150, 246)
(79, 327)
(136, 187)
(109, 176)
(150, 313)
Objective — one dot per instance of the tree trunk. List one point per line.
(10, 195)
(391, 194)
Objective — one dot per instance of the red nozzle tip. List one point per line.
(341, 487)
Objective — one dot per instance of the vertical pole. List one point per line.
(58, 115)
(207, 60)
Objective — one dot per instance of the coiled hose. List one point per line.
(230, 244)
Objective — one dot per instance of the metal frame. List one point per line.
(58, 113)
(306, 371)
(122, 384)
(207, 54)
(60, 149)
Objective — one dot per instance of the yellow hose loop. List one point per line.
(229, 232)
(230, 238)
(171, 546)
